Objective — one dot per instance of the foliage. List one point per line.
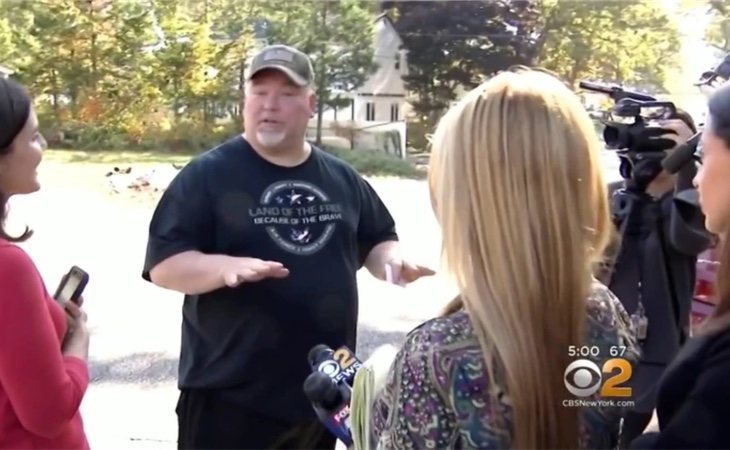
(453, 45)
(127, 73)
(375, 163)
(631, 41)
(718, 31)
(169, 73)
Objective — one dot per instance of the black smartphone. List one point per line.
(71, 286)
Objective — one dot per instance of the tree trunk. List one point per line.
(321, 84)
(242, 91)
(320, 113)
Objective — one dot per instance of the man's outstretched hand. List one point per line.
(240, 270)
(404, 272)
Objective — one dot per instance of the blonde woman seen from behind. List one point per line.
(517, 188)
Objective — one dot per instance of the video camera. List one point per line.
(623, 134)
(629, 131)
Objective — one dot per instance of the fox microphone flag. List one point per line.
(331, 403)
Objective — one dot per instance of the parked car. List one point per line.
(704, 297)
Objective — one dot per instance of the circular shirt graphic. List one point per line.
(298, 216)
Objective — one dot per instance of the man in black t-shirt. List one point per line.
(264, 235)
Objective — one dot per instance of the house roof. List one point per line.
(383, 15)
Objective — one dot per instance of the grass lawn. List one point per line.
(114, 157)
(88, 170)
(368, 163)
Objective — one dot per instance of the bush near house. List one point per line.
(188, 138)
(374, 163)
(366, 162)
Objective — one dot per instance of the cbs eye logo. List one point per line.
(584, 378)
(330, 368)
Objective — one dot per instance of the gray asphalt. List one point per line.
(136, 326)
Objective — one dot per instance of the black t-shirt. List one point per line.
(320, 219)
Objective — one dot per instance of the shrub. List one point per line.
(374, 163)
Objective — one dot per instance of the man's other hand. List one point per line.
(404, 272)
(239, 270)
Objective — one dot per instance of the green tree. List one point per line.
(717, 33)
(455, 44)
(177, 69)
(201, 58)
(632, 41)
(232, 27)
(7, 44)
(113, 72)
(129, 92)
(85, 58)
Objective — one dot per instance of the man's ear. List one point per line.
(312, 103)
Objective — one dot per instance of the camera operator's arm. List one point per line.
(684, 223)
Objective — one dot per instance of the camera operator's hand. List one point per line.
(679, 132)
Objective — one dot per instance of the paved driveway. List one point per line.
(136, 326)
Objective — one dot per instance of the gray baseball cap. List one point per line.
(292, 62)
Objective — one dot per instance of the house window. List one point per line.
(394, 112)
(370, 111)
(397, 62)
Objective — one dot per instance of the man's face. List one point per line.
(276, 111)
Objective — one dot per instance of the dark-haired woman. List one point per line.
(43, 346)
(693, 398)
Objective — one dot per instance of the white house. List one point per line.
(375, 118)
(383, 95)
(5, 72)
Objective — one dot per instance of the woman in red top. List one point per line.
(43, 349)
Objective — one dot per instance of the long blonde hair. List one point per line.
(518, 190)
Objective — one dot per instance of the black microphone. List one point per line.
(682, 155)
(319, 353)
(340, 365)
(331, 403)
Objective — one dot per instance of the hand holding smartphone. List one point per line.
(68, 295)
(392, 274)
(71, 286)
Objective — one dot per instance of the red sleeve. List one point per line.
(44, 387)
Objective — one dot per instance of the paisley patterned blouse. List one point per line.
(435, 393)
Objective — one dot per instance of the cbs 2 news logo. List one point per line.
(584, 378)
(343, 365)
